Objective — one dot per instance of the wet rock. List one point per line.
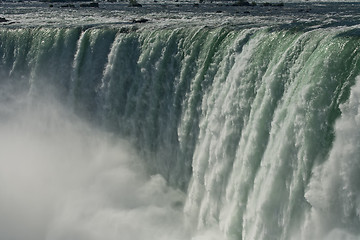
(267, 4)
(2, 19)
(134, 3)
(68, 6)
(93, 4)
(140, 20)
(241, 3)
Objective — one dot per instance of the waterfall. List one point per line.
(258, 126)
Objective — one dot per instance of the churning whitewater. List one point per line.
(185, 132)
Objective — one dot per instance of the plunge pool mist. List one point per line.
(63, 179)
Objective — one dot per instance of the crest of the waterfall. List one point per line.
(222, 119)
(89, 61)
(334, 191)
(243, 118)
(252, 163)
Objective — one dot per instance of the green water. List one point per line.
(241, 120)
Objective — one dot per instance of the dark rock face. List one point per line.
(241, 3)
(68, 6)
(2, 19)
(134, 3)
(267, 4)
(93, 4)
(140, 20)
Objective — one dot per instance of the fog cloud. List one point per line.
(62, 179)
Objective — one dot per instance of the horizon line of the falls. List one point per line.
(258, 126)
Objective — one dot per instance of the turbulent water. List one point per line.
(177, 130)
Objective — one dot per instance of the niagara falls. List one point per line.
(179, 120)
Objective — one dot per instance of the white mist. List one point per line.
(61, 179)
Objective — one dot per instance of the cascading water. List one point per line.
(242, 120)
